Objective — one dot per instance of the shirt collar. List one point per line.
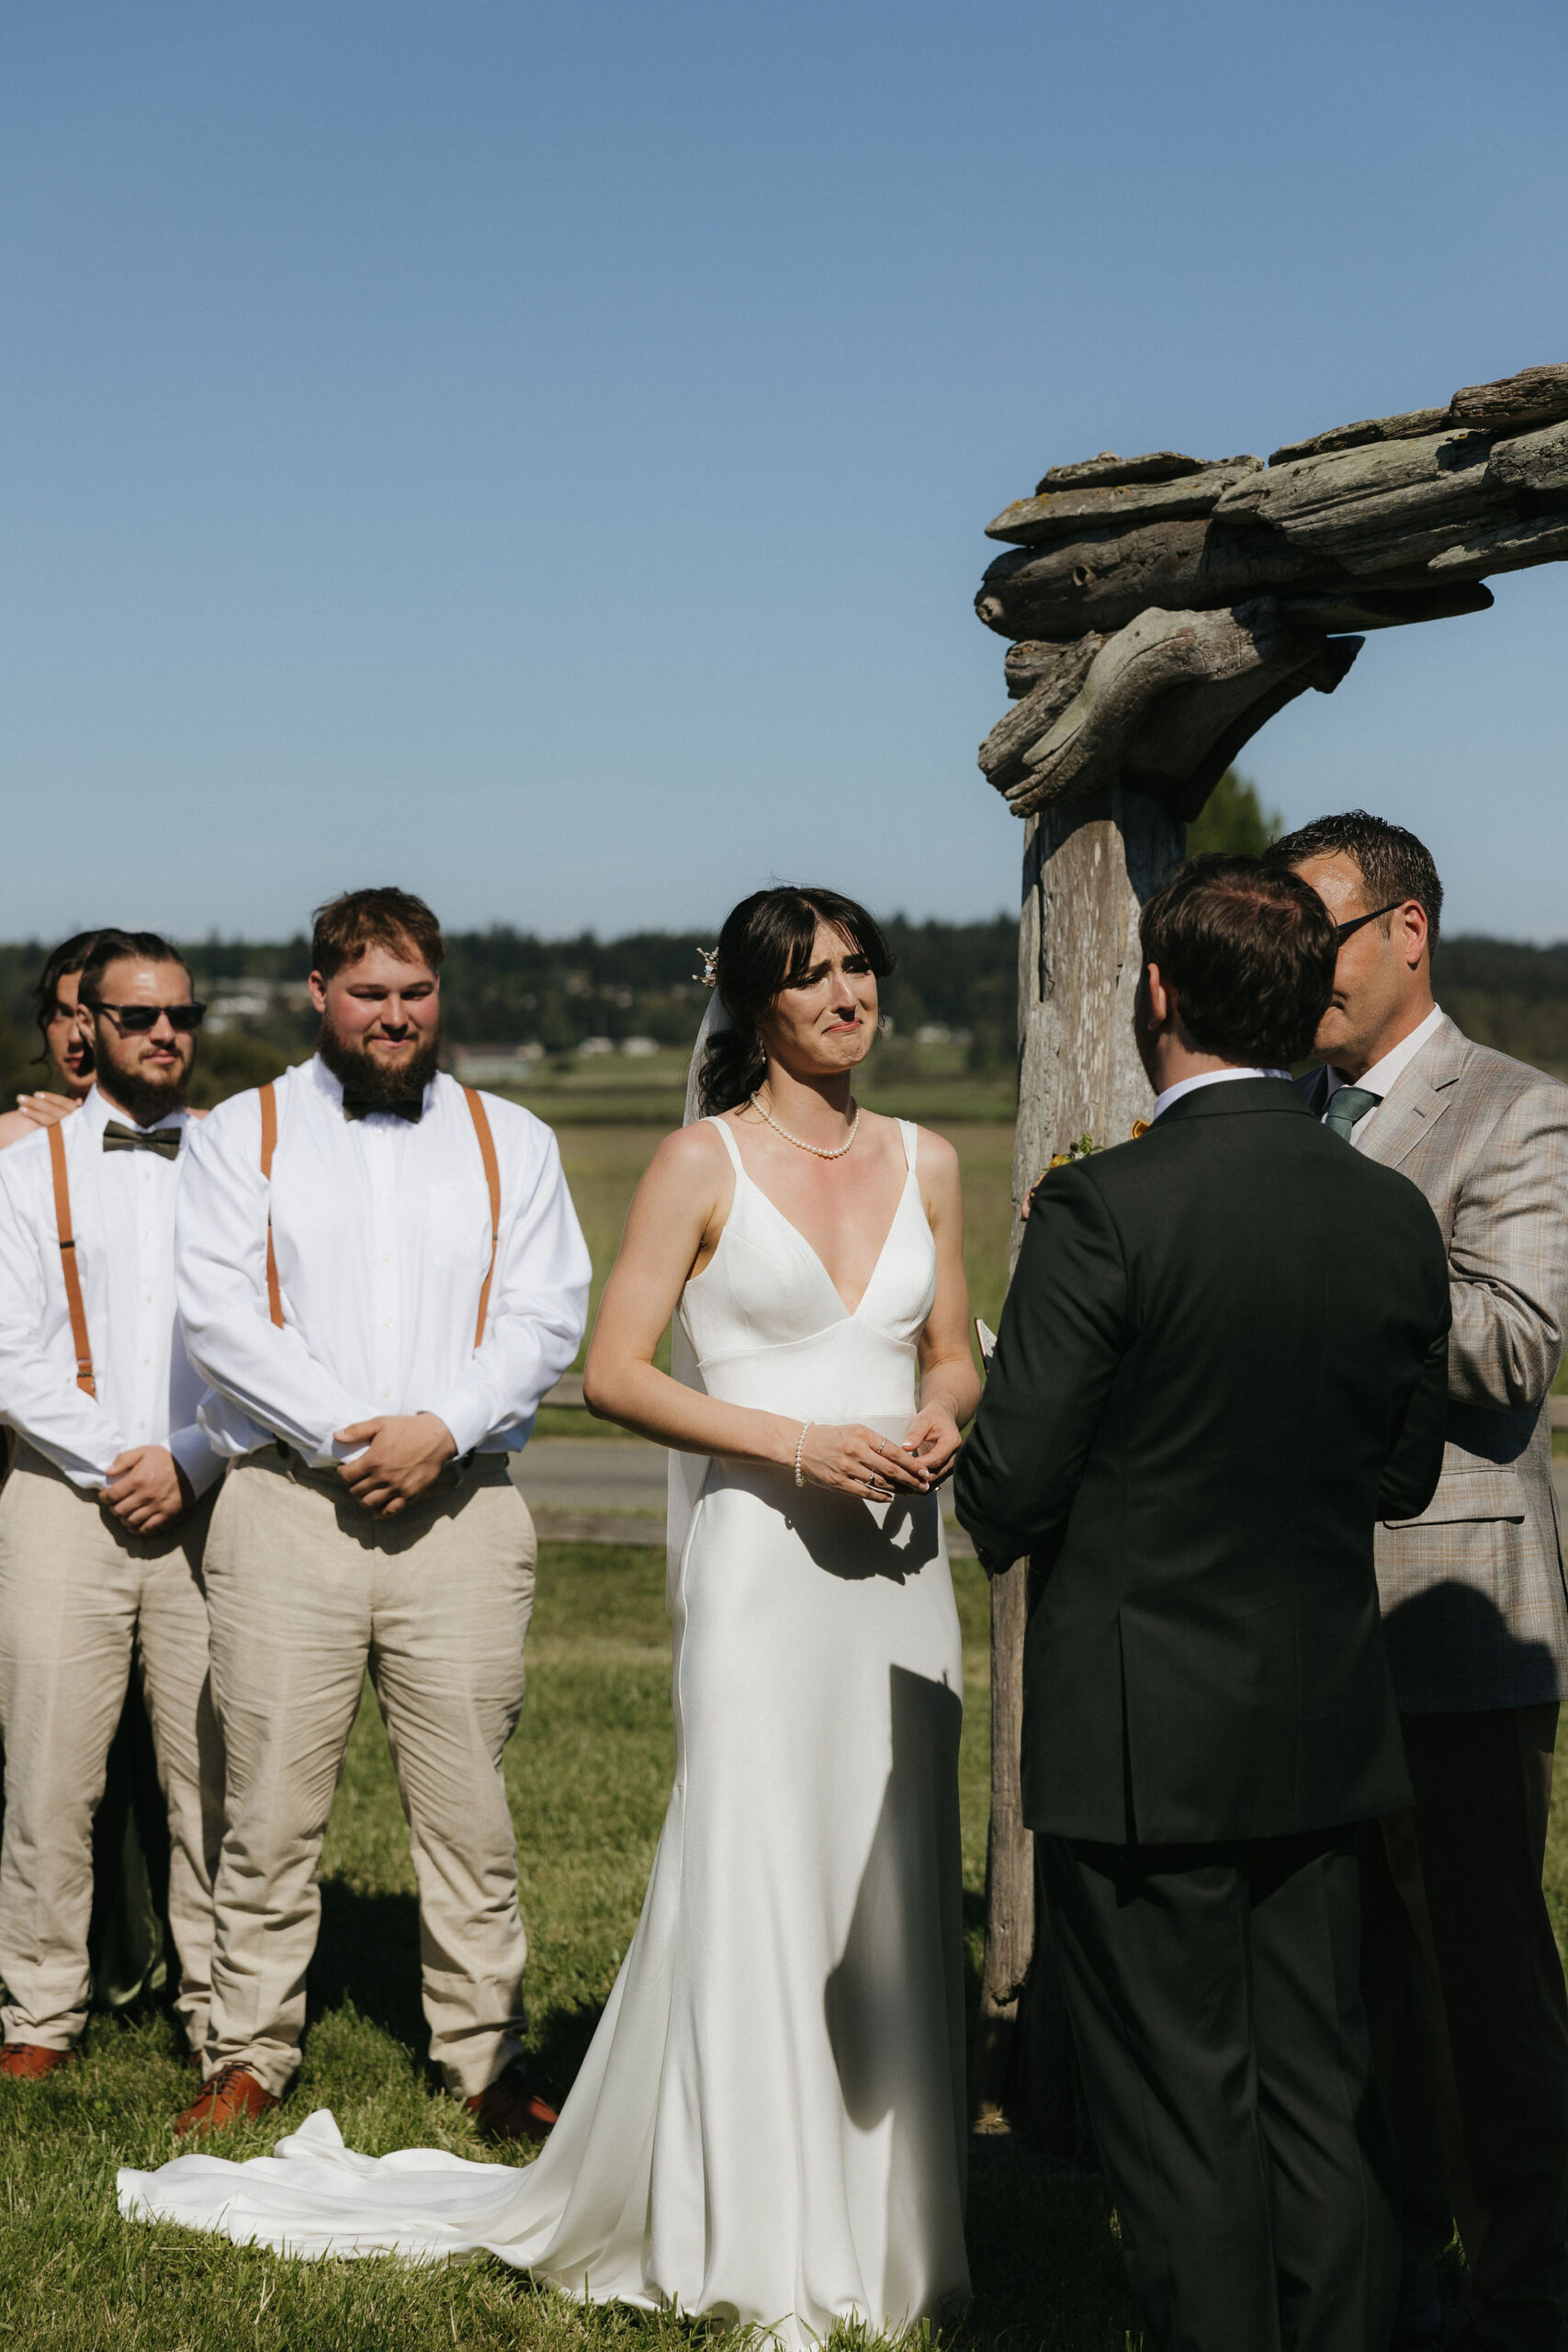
(1380, 1079)
(98, 1112)
(1208, 1077)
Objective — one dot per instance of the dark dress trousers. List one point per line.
(1222, 1361)
(1462, 1977)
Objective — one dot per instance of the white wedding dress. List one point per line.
(769, 2125)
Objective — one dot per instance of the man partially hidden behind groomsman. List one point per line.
(1464, 1985)
(130, 1944)
(381, 1275)
(1221, 1360)
(104, 1516)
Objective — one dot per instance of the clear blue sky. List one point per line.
(539, 454)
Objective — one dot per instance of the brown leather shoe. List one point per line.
(233, 2096)
(510, 2109)
(25, 2062)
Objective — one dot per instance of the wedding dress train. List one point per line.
(769, 2125)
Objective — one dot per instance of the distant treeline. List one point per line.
(504, 988)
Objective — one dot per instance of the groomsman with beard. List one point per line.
(104, 1516)
(380, 1273)
(1464, 1985)
(130, 1944)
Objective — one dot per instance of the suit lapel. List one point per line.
(1417, 1099)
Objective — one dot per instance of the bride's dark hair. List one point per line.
(765, 946)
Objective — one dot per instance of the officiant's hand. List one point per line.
(404, 1454)
(853, 1460)
(933, 1439)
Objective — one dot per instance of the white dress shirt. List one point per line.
(122, 1212)
(381, 1229)
(1379, 1080)
(1206, 1078)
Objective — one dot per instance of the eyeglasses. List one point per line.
(138, 1020)
(1342, 930)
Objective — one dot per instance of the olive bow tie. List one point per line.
(164, 1141)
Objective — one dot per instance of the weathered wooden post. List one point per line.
(1162, 609)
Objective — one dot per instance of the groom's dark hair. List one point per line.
(1251, 951)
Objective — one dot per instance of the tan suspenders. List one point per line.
(492, 1182)
(268, 1145)
(68, 1267)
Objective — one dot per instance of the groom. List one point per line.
(1222, 1361)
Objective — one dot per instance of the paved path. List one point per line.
(610, 1490)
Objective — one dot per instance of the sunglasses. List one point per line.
(139, 1019)
(1342, 930)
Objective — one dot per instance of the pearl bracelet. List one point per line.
(799, 1443)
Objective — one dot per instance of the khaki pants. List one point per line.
(307, 1592)
(79, 1594)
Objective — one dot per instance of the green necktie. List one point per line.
(164, 1141)
(1346, 1107)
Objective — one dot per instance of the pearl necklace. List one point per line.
(818, 1151)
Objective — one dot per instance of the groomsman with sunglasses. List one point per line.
(103, 1517)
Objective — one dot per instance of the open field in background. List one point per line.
(906, 1081)
(589, 1775)
(603, 1162)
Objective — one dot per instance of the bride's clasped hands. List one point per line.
(770, 2125)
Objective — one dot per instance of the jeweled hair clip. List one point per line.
(709, 973)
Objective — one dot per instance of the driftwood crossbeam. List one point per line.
(1161, 610)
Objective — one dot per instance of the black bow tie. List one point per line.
(407, 1106)
(164, 1141)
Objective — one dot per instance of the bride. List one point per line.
(769, 2125)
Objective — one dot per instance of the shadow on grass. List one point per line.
(367, 1959)
(1046, 2262)
(368, 1956)
(974, 1944)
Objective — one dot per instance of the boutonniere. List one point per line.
(1082, 1149)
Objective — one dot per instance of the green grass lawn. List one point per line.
(589, 1775)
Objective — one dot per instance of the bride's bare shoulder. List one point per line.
(689, 1153)
(937, 1156)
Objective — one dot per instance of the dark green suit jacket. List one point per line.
(1222, 1361)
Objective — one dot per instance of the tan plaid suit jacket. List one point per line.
(1473, 1590)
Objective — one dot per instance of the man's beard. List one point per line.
(148, 1099)
(369, 1081)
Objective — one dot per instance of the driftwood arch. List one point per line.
(1162, 609)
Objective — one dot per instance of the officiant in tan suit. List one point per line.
(1463, 1982)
